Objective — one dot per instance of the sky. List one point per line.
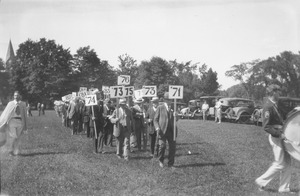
(219, 33)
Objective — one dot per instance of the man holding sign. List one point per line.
(164, 126)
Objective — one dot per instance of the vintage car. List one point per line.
(196, 105)
(285, 105)
(237, 109)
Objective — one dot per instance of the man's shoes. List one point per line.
(103, 152)
(287, 191)
(119, 156)
(260, 187)
(161, 164)
(131, 150)
(12, 154)
(126, 158)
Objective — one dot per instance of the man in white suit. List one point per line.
(13, 121)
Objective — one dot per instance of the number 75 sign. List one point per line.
(175, 92)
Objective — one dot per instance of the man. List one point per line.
(138, 117)
(123, 126)
(272, 123)
(108, 126)
(13, 122)
(39, 108)
(149, 117)
(73, 115)
(204, 108)
(164, 126)
(218, 112)
(98, 120)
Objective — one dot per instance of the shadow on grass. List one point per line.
(200, 165)
(180, 155)
(189, 144)
(39, 153)
(140, 158)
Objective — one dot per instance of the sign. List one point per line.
(90, 100)
(138, 94)
(149, 91)
(117, 91)
(74, 94)
(123, 80)
(105, 90)
(82, 94)
(82, 89)
(129, 91)
(175, 92)
(67, 97)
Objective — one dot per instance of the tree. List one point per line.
(89, 71)
(128, 66)
(41, 70)
(4, 84)
(157, 72)
(209, 82)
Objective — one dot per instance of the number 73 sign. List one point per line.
(175, 92)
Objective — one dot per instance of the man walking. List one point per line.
(273, 123)
(13, 121)
(164, 126)
(123, 126)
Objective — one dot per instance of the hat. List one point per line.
(122, 101)
(95, 91)
(140, 100)
(155, 99)
(166, 95)
(272, 88)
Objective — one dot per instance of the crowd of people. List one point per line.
(131, 128)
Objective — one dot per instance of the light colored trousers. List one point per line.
(122, 142)
(281, 164)
(15, 130)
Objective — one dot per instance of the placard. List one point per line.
(82, 89)
(117, 91)
(138, 94)
(129, 91)
(175, 92)
(90, 100)
(105, 90)
(149, 91)
(123, 80)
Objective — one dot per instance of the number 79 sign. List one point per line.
(90, 100)
(175, 92)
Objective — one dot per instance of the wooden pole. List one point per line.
(95, 128)
(174, 114)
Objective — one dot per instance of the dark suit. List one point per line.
(138, 117)
(150, 127)
(86, 120)
(108, 126)
(122, 132)
(99, 121)
(164, 122)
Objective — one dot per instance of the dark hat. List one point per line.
(272, 88)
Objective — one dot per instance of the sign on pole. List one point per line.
(105, 90)
(123, 80)
(82, 94)
(149, 91)
(138, 94)
(91, 100)
(175, 92)
(117, 91)
(67, 97)
(129, 91)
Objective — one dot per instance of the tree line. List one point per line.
(45, 71)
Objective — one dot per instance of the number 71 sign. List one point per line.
(175, 92)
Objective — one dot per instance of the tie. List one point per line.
(17, 110)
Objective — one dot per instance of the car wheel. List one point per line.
(244, 118)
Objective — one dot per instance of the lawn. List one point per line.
(225, 159)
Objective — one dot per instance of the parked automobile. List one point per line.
(285, 105)
(237, 109)
(196, 105)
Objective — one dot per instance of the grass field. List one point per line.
(225, 159)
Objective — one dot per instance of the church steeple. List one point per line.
(10, 55)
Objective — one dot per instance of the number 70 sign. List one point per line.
(175, 92)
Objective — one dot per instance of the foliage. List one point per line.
(41, 70)
(128, 66)
(89, 71)
(4, 84)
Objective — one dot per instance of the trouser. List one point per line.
(281, 165)
(152, 142)
(86, 128)
(162, 147)
(141, 135)
(122, 142)
(74, 126)
(80, 124)
(204, 115)
(15, 130)
(101, 140)
(108, 134)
